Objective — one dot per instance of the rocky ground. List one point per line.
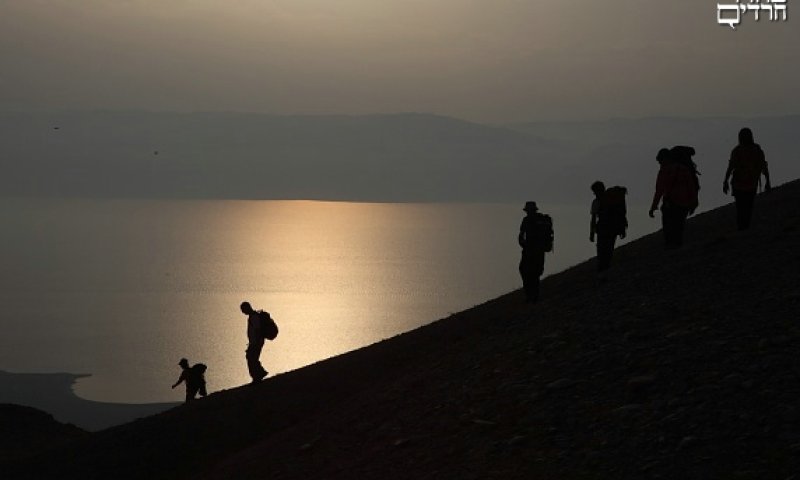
(24, 430)
(684, 364)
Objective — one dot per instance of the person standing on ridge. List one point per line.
(609, 220)
(194, 377)
(746, 165)
(535, 238)
(677, 184)
(255, 342)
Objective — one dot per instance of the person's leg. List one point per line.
(738, 201)
(537, 267)
(191, 391)
(668, 225)
(749, 204)
(530, 277)
(600, 251)
(681, 213)
(612, 242)
(605, 250)
(248, 355)
(523, 267)
(534, 295)
(744, 208)
(253, 362)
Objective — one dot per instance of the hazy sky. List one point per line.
(487, 60)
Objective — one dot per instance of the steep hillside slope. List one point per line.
(683, 365)
(25, 431)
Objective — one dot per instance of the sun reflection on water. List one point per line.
(335, 276)
(123, 289)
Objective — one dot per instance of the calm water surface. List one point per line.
(123, 289)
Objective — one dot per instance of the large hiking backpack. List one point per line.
(683, 154)
(543, 234)
(267, 326)
(686, 186)
(197, 378)
(613, 210)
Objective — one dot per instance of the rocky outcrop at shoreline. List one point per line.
(683, 365)
(53, 393)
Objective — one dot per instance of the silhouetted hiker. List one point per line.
(194, 377)
(746, 165)
(255, 342)
(678, 185)
(535, 238)
(609, 220)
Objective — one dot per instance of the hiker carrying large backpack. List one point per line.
(609, 221)
(677, 188)
(194, 377)
(535, 238)
(260, 327)
(746, 165)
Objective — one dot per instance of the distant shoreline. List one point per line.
(52, 393)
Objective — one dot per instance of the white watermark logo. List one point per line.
(731, 13)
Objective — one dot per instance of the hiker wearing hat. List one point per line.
(194, 377)
(535, 238)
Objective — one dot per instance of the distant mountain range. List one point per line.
(400, 157)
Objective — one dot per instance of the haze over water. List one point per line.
(122, 289)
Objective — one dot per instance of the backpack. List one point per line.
(685, 187)
(682, 155)
(613, 210)
(267, 326)
(196, 376)
(543, 234)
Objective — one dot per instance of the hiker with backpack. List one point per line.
(194, 377)
(746, 165)
(677, 188)
(609, 220)
(535, 238)
(260, 327)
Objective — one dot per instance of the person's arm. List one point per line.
(654, 204)
(624, 219)
(728, 172)
(765, 171)
(661, 184)
(725, 185)
(521, 237)
(181, 379)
